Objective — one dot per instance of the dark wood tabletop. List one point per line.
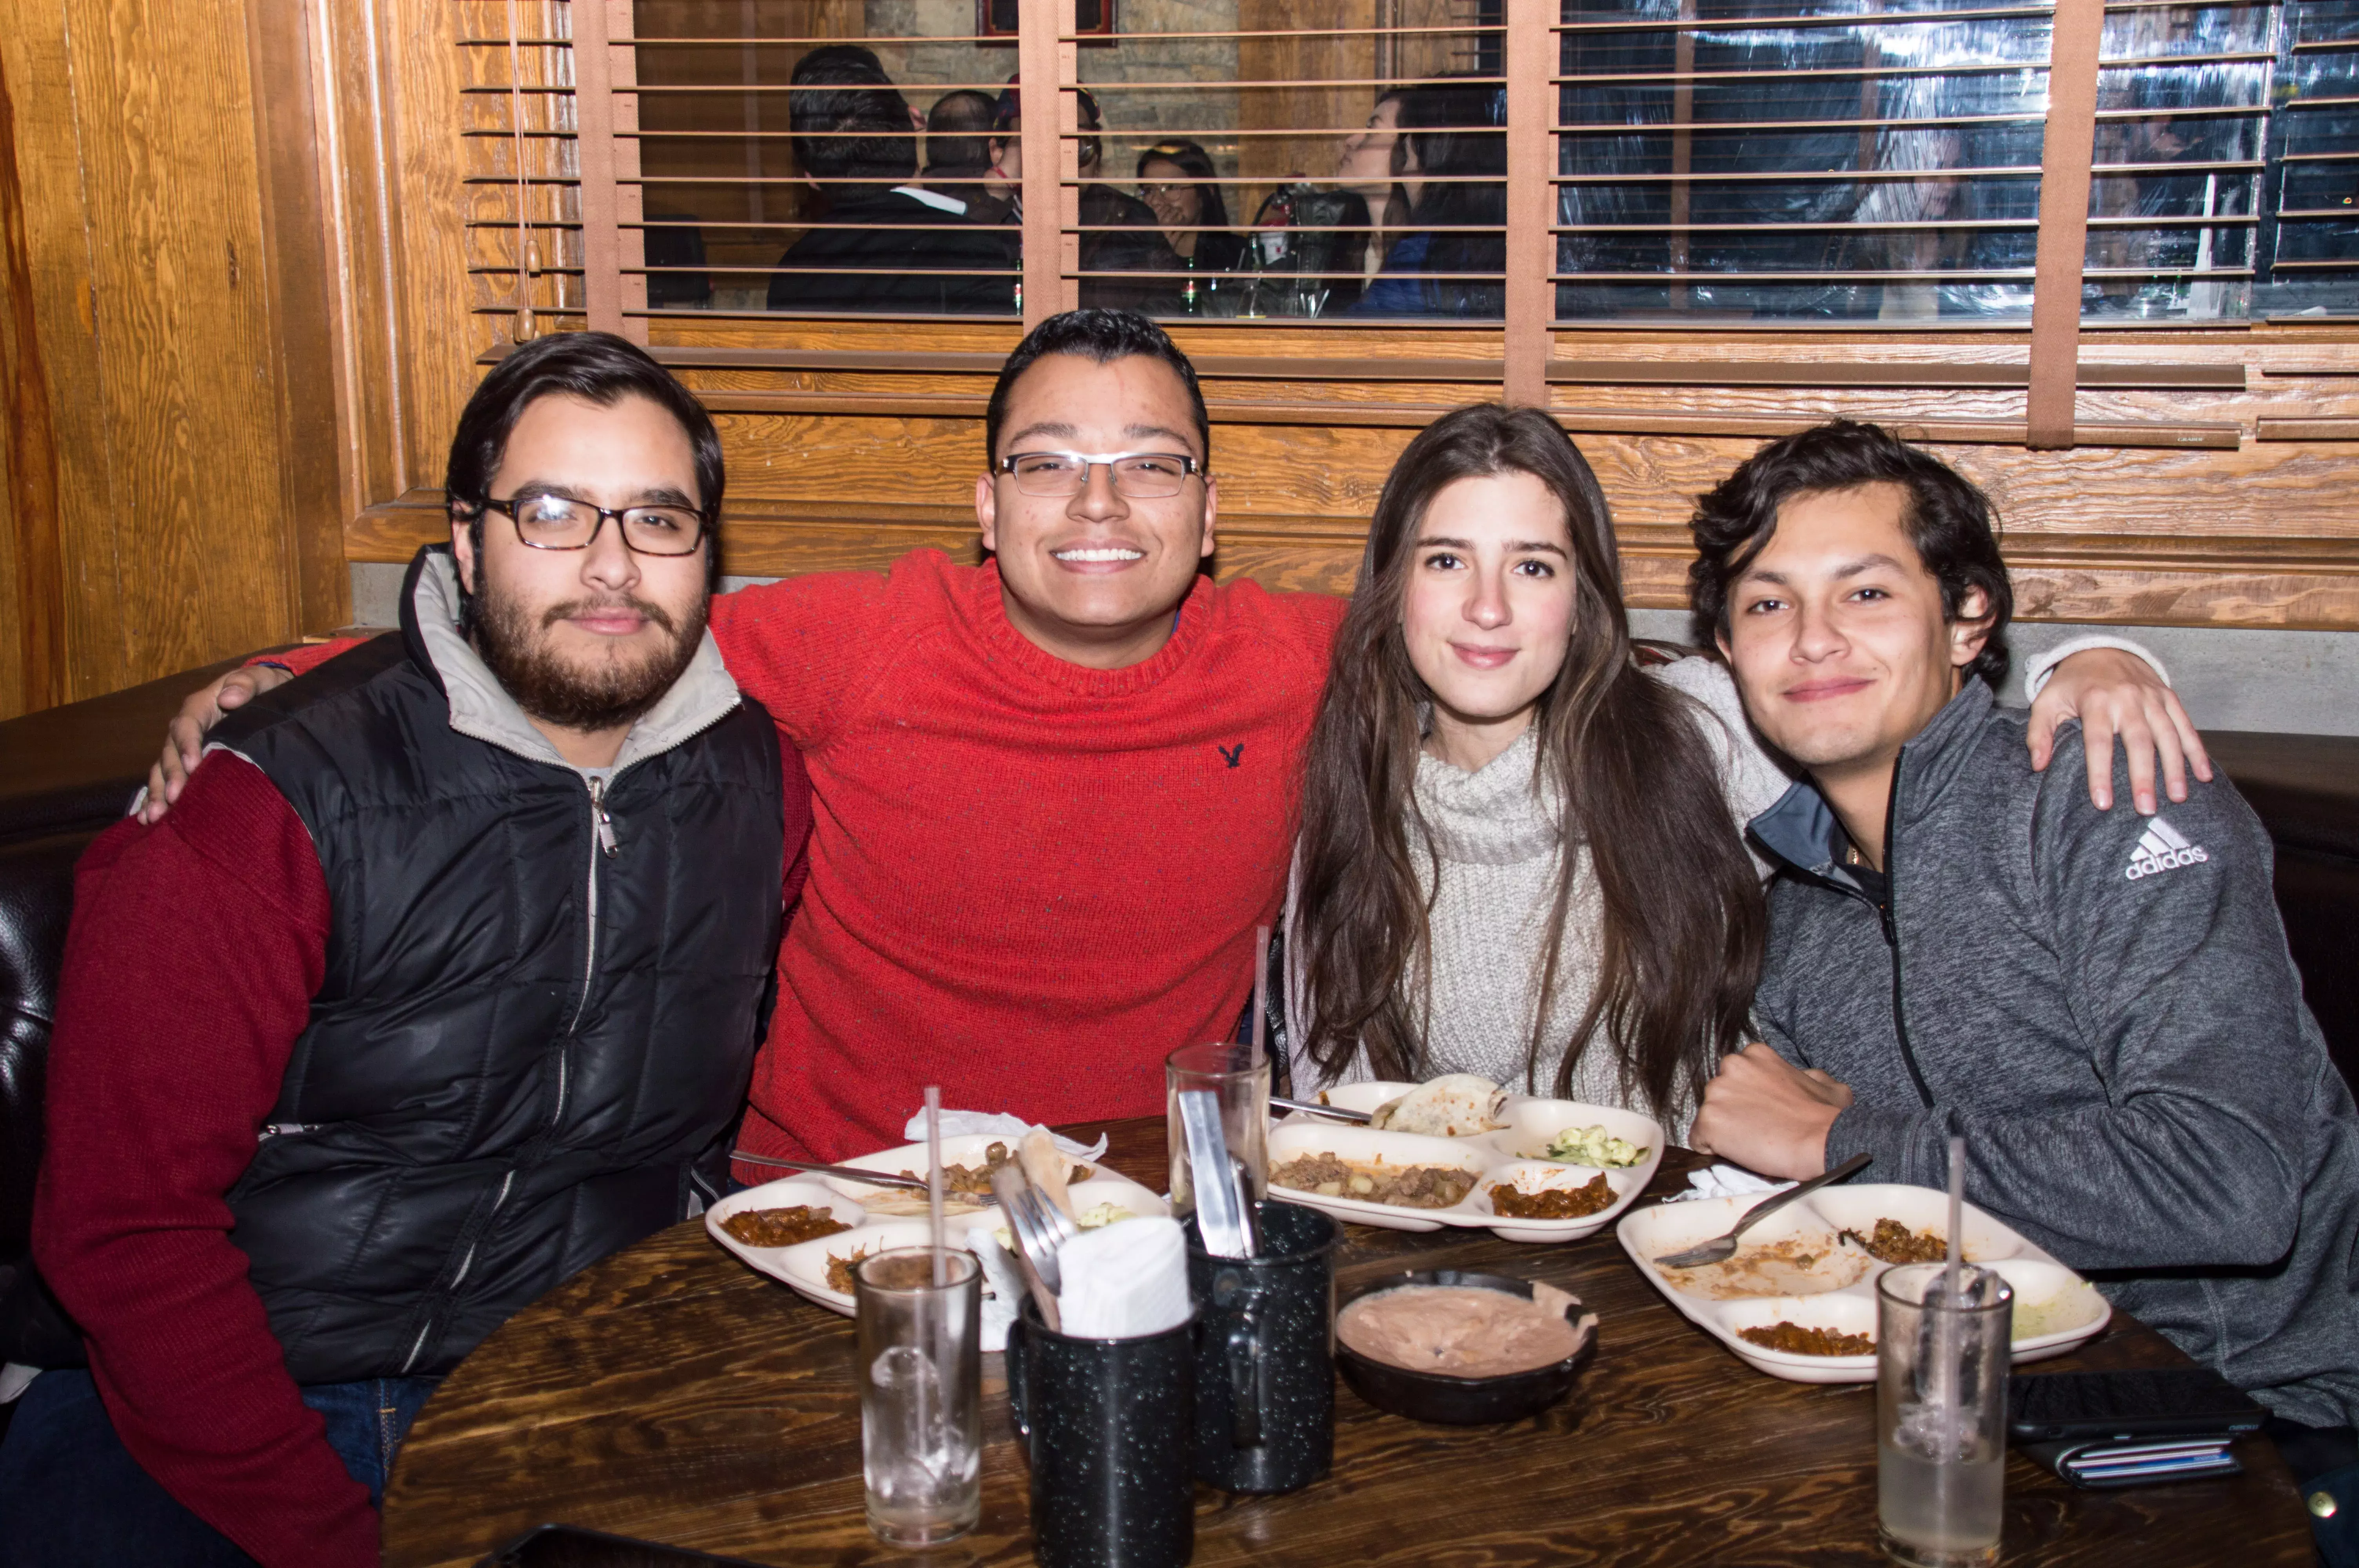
(672, 1393)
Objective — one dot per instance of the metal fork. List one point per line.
(1038, 1226)
(1725, 1247)
(1312, 1108)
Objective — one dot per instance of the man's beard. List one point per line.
(611, 692)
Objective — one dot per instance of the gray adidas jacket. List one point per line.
(2105, 1006)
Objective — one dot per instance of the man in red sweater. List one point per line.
(1054, 792)
(436, 986)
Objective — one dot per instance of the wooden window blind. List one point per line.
(1570, 174)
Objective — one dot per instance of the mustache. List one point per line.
(573, 606)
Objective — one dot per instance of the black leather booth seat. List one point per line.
(68, 772)
(2306, 789)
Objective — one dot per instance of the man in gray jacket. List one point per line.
(2102, 1003)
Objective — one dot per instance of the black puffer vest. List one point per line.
(541, 1008)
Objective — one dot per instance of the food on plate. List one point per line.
(1088, 1219)
(1462, 1331)
(1452, 1107)
(1798, 1266)
(838, 1270)
(2054, 1316)
(1596, 1146)
(1552, 1203)
(782, 1227)
(974, 1181)
(966, 1189)
(1403, 1186)
(1795, 1339)
(1893, 1242)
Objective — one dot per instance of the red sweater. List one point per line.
(195, 950)
(1030, 882)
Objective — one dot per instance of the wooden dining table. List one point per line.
(673, 1394)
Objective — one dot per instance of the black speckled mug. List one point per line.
(1105, 1426)
(1265, 1353)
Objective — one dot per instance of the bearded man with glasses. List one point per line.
(442, 980)
(1055, 790)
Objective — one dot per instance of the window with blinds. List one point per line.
(1713, 161)
(1783, 160)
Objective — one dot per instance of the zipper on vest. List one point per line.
(603, 824)
(603, 835)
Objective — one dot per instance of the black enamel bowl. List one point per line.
(1441, 1396)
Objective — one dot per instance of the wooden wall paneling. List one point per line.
(287, 135)
(153, 303)
(63, 306)
(185, 323)
(32, 570)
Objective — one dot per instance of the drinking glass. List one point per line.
(1940, 1416)
(1238, 1077)
(920, 1361)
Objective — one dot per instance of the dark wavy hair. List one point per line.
(842, 89)
(1948, 520)
(1193, 161)
(1684, 922)
(599, 368)
(1103, 337)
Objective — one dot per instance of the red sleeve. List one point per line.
(304, 660)
(195, 950)
(807, 647)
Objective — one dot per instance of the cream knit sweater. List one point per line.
(1497, 836)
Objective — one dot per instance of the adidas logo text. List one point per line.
(2162, 848)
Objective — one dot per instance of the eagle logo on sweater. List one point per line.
(2162, 848)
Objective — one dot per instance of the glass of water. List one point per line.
(1238, 1077)
(1940, 1415)
(921, 1367)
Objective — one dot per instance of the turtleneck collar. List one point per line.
(1500, 814)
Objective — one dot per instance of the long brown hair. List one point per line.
(1684, 922)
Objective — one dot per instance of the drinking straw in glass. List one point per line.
(920, 1366)
(934, 1178)
(1261, 993)
(1940, 1416)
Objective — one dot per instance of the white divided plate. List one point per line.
(1795, 1270)
(1513, 1155)
(803, 1267)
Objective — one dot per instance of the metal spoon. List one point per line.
(850, 1173)
(1312, 1108)
(1725, 1247)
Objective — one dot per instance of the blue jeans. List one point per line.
(71, 1493)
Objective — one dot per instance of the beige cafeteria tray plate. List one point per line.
(1794, 1268)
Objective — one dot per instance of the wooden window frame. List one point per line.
(2212, 475)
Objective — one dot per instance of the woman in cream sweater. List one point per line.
(1521, 853)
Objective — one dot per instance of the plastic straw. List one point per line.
(1261, 992)
(1949, 1278)
(934, 1181)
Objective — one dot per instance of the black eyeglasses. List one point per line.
(561, 522)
